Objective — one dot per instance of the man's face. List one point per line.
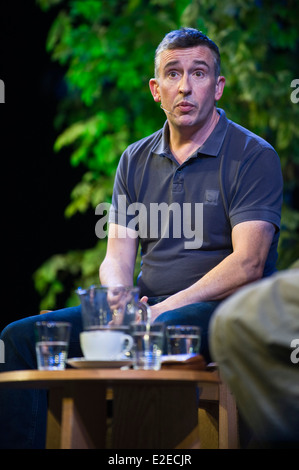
(187, 86)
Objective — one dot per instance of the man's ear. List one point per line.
(154, 87)
(219, 87)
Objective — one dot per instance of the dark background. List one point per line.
(35, 182)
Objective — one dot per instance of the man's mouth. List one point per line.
(185, 106)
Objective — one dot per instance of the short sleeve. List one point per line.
(258, 190)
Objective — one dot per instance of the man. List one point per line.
(224, 188)
(254, 337)
(198, 157)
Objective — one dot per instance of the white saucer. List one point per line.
(83, 363)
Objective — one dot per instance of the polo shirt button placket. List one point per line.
(178, 181)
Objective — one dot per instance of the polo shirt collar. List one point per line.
(211, 146)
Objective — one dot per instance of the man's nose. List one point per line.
(185, 84)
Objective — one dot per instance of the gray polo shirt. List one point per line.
(184, 214)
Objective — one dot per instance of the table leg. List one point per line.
(77, 417)
(53, 440)
(228, 419)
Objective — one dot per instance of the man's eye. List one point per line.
(172, 74)
(199, 73)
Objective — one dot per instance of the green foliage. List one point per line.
(107, 49)
(51, 277)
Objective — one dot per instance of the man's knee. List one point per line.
(12, 332)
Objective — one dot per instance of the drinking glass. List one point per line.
(148, 345)
(183, 339)
(52, 342)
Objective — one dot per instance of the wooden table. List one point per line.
(151, 409)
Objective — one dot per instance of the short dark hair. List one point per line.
(183, 38)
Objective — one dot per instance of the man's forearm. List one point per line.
(217, 284)
(118, 265)
(251, 242)
(113, 273)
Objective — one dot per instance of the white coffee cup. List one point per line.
(105, 344)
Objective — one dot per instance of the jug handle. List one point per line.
(145, 311)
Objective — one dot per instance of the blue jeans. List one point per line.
(23, 413)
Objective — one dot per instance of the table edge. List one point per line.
(39, 378)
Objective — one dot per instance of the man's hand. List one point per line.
(117, 301)
(156, 310)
